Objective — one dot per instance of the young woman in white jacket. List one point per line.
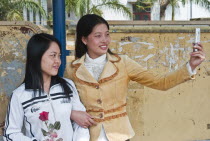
(42, 104)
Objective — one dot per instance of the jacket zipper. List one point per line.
(50, 100)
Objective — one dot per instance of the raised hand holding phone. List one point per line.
(198, 55)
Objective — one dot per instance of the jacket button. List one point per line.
(97, 87)
(99, 101)
(100, 115)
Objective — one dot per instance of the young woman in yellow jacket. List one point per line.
(102, 78)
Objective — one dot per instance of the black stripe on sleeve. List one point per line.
(7, 122)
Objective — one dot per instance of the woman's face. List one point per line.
(51, 61)
(97, 41)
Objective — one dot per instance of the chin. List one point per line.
(104, 52)
(54, 74)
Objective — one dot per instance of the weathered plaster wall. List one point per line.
(13, 39)
(181, 113)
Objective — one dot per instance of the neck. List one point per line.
(46, 85)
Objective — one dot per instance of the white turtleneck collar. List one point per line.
(95, 66)
(98, 60)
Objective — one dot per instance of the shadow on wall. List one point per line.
(14, 37)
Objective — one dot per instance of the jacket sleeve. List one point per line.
(14, 121)
(80, 134)
(153, 80)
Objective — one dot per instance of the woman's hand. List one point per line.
(197, 57)
(82, 118)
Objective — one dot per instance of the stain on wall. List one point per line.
(180, 113)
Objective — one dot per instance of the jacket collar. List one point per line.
(109, 72)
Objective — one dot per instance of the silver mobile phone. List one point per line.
(197, 38)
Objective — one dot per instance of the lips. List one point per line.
(56, 67)
(104, 47)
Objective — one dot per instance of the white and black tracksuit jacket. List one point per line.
(24, 111)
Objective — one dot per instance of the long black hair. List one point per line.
(84, 27)
(36, 47)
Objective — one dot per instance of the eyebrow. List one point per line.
(55, 52)
(100, 32)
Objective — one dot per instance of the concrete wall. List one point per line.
(181, 113)
(13, 39)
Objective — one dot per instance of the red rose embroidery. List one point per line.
(50, 134)
(43, 116)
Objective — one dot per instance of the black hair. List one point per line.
(36, 47)
(84, 27)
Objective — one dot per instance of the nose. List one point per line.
(58, 59)
(104, 39)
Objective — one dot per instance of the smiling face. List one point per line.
(97, 41)
(51, 61)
